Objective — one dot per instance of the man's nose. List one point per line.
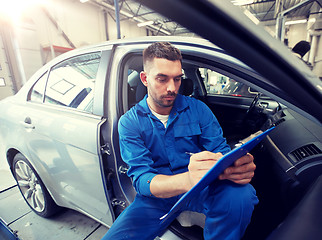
(171, 86)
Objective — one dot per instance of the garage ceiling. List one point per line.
(267, 10)
(263, 10)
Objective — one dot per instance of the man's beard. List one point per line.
(162, 102)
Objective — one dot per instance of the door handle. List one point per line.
(27, 123)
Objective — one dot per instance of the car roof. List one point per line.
(191, 41)
(150, 39)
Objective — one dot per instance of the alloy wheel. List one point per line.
(29, 186)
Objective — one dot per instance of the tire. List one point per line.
(32, 188)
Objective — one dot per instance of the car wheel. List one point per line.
(32, 188)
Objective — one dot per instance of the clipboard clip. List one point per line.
(250, 137)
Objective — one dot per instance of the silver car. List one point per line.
(59, 132)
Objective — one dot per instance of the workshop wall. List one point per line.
(44, 32)
(83, 24)
(41, 33)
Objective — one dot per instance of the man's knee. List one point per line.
(235, 199)
(229, 210)
(243, 198)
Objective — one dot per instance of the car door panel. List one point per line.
(69, 153)
(63, 135)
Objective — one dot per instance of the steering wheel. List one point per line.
(254, 102)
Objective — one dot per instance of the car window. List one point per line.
(71, 82)
(37, 91)
(217, 83)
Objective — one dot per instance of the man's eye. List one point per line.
(177, 79)
(159, 79)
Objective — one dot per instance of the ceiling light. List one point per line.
(142, 24)
(83, 1)
(242, 2)
(14, 9)
(295, 22)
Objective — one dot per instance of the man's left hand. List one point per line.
(242, 171)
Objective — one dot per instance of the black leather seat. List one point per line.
(141, 91)
(186, 87)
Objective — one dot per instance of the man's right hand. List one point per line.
(200, 164)
(166, 186)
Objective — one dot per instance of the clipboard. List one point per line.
(224, 162)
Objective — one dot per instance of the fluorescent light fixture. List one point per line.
(295, 22)
(242, 2)
(142, 24)
(83, 1)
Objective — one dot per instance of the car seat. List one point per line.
(186, 87)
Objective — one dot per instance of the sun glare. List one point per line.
(14, 9)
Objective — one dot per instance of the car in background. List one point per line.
(60, 139)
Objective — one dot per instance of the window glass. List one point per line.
(71, 83)
(37, 91)
(216, 83)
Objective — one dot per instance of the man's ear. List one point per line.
(143, 77)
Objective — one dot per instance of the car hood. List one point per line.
(226, 26)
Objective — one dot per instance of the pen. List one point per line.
(189, 153)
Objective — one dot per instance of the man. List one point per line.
(155, 137)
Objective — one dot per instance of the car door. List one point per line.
(226, 86)
(236, 105)
(63, 133)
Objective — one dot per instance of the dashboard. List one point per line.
(296, 146)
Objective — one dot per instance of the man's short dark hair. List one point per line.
(161, 50)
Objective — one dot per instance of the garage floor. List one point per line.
(29, 226)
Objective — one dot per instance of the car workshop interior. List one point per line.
(34, 32)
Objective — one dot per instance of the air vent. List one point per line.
(279, 121)
(305, 151)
